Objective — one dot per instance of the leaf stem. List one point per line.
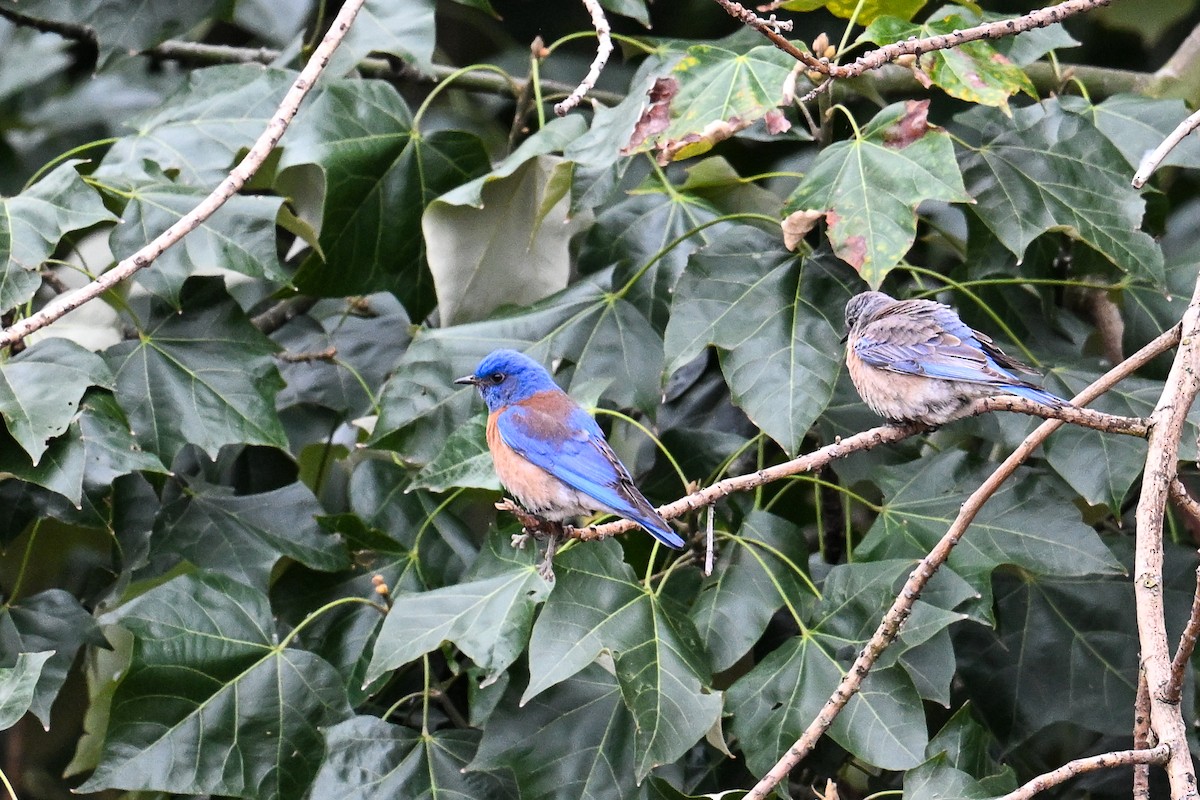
(61, 157)
(449, 79)
(313, 616)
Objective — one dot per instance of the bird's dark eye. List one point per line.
(496, 378)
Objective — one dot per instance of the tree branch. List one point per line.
(67, 30)
(873, 437)
(889, 626)
(877, 58)
(1119, 758)
(604, 48)
(230, 186)
(1167, 423)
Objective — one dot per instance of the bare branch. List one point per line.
(288, 357)
(889, 626)
(1119, 758)
(880, 56)
(604, 48)
(1151, 162)
(67, 30)
(1167, 422)
(230, 186)
(282, 313)
(1187, 640)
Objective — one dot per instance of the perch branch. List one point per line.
(1183, 654)
(1167, 422)
(1151, 162)
(604, 48)
(889, 626)
(230, 186)
(877, 58)
(873, 437)
(1119, 758)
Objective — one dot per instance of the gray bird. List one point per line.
(916, 361)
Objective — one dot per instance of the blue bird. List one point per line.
(550, 453)
(916, 361)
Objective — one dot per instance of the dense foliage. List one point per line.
(209, 471)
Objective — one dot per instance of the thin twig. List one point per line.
(1187, 645)
(67, 30)
(1119, 758)
(282, 313)
(1167, 422)
(1141, 737)
(1151, 162)
(604, 48)
(889, 626)
(287, 357)
(880, 56)
(230, 186)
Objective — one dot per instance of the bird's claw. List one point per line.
(519, 540)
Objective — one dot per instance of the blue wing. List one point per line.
(554, 433)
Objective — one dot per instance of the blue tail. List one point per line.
(657, 527)
(1037, 394)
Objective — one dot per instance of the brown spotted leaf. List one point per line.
(868, 188)
(711, 94)
(975, 71)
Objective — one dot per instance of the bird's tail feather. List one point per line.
(644, 514)
(1038, 395)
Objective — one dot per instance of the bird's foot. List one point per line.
(519, 540)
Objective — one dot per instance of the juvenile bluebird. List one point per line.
(550, 453)
(916, 361)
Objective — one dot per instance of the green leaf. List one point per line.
(974, 71)
(34, 222)
(776, 320)
(883, 724)
(595, 753)
(203, 375)
(464, 462)
(404, 29)
(17, 686)
(606, 338)
(96, 448)
(864, 12)
(1046, 169)
(379, 174)
(760, 571)
(1029, 522)
(199, 130)
(517, 251)
(487, 615)
(243, 536)
(121, 25)
(239, 237)
(868, 188)
(367, 758)
(40, 390)
(711, 94)
(638, 235)
(367, 334)
(597, 605)
(629, 8)
(52, 620)
(212, 703)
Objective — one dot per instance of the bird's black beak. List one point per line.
(468, 380)
(842, 340)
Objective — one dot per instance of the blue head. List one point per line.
(505, 377)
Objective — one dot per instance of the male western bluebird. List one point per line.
(916, 361)
(550, 453)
